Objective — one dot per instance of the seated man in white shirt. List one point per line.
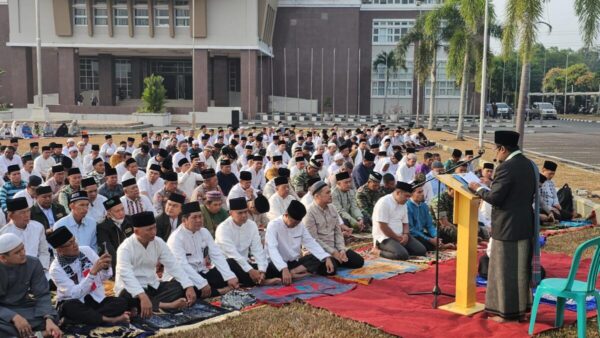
(407, 170)
(96, 209)
(43, 163)
(78, 274)
(132, 170)
(190, 243)
(281, 199)
(243, 188)
(238, 236)
(391, 228)
(136, 279)
(284, 239)
(133, 202)
(188, 179)
(30, 192)
(32, 233)
(151, 183)
(28, 169)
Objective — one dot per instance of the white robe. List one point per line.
(278, 206)
(238, 241)
(34, 239)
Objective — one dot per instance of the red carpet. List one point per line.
(385, 304)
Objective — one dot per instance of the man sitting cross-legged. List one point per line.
(190, 243)
(25, 305)
(284, 239)
(324, 224)
(78, 274)
(238, 236)
(136, 279)
(390, 225)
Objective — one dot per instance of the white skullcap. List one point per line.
(195, 142)
(338, 157)
(331, 144)
(9, 242)
(120, 150)
(72, 149)
(70, 140)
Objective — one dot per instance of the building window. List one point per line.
(161, 13)
(79, 13)
(100, 13)
(120, 15)
(140, 11)
(88, 74)
(399, 83)
(234, 75)
(445, 85)
(123, 78)
(389, 32)
(182, 13)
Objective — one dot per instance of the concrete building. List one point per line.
(260, 55)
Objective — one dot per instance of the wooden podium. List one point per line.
(466, 205)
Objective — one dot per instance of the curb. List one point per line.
(578, 120)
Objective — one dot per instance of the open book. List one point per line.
(469, 177)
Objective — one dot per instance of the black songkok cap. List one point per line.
(57, 168)
(549, 165)
(239, 203)
(111, 202)
(246, 176)
(143, 219)
(488, 165)
(261, 204)
(404, 186)
(155, 167)
(369, 156)
(86, 182)
(189, 208)
(456, 153)
(506, 137)
(43, 189)
(296, 210)
(78, 196)
(15, 204)
(281, 180)
(177, 198)
(170, 176)
(73, 171)
(110, 172)
(96, 160)
(128, 182)
(59, 237)
(342, 176)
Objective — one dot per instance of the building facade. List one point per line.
(252, 54)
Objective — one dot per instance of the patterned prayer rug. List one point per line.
(376, 268)
(129, 331)
(445, 255)
(305, 288)
(197, 313)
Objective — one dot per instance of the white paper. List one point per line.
(471, 177)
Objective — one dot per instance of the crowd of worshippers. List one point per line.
(177, 216)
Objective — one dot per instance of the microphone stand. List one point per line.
(437, 291)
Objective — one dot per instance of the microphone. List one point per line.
(481, 151)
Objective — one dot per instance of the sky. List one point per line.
(560, 14)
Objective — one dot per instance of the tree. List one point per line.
(153, 97)
(579, 78)
(390, 62)
(521, 27)
(588, 12)
(423, 56)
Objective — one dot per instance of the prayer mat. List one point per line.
(376, 268)
(445, 255)
(237, 300)
(306, 288)
(196, 313)
(548, 233)
(81, 331)
(590, 303)
(574, 223)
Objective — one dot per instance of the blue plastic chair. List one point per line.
(571, 288)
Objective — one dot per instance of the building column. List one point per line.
(136, 78)
(68, 68)
(22, 76)
(106, 76)
(200, 79)
(248, 81)
(221, 81)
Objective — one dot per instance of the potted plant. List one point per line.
(152, 109)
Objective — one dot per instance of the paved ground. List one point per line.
(575, 141)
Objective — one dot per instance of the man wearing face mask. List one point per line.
(114, 228)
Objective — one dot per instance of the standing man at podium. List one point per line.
(511, 195)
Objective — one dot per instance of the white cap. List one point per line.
(73, 149)
(338, 157)
(9, 242)
(70, 140)
(331, 144)
(195, 142)
(120, 150)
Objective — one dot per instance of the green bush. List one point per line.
(154, 95)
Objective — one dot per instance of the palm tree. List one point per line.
(389, 60)
(423, 55)
(588, 12)
(521, 27)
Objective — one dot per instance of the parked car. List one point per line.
(504, 110)
(546, 110)
(531, 114)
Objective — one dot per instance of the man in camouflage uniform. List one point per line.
(447, 230)
(368, 194)
(300, 180)
(345, 202)
(74, 178)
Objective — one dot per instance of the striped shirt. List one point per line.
(8, 191)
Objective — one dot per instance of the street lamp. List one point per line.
(418, 3)
(484, 75)
(38, 54)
